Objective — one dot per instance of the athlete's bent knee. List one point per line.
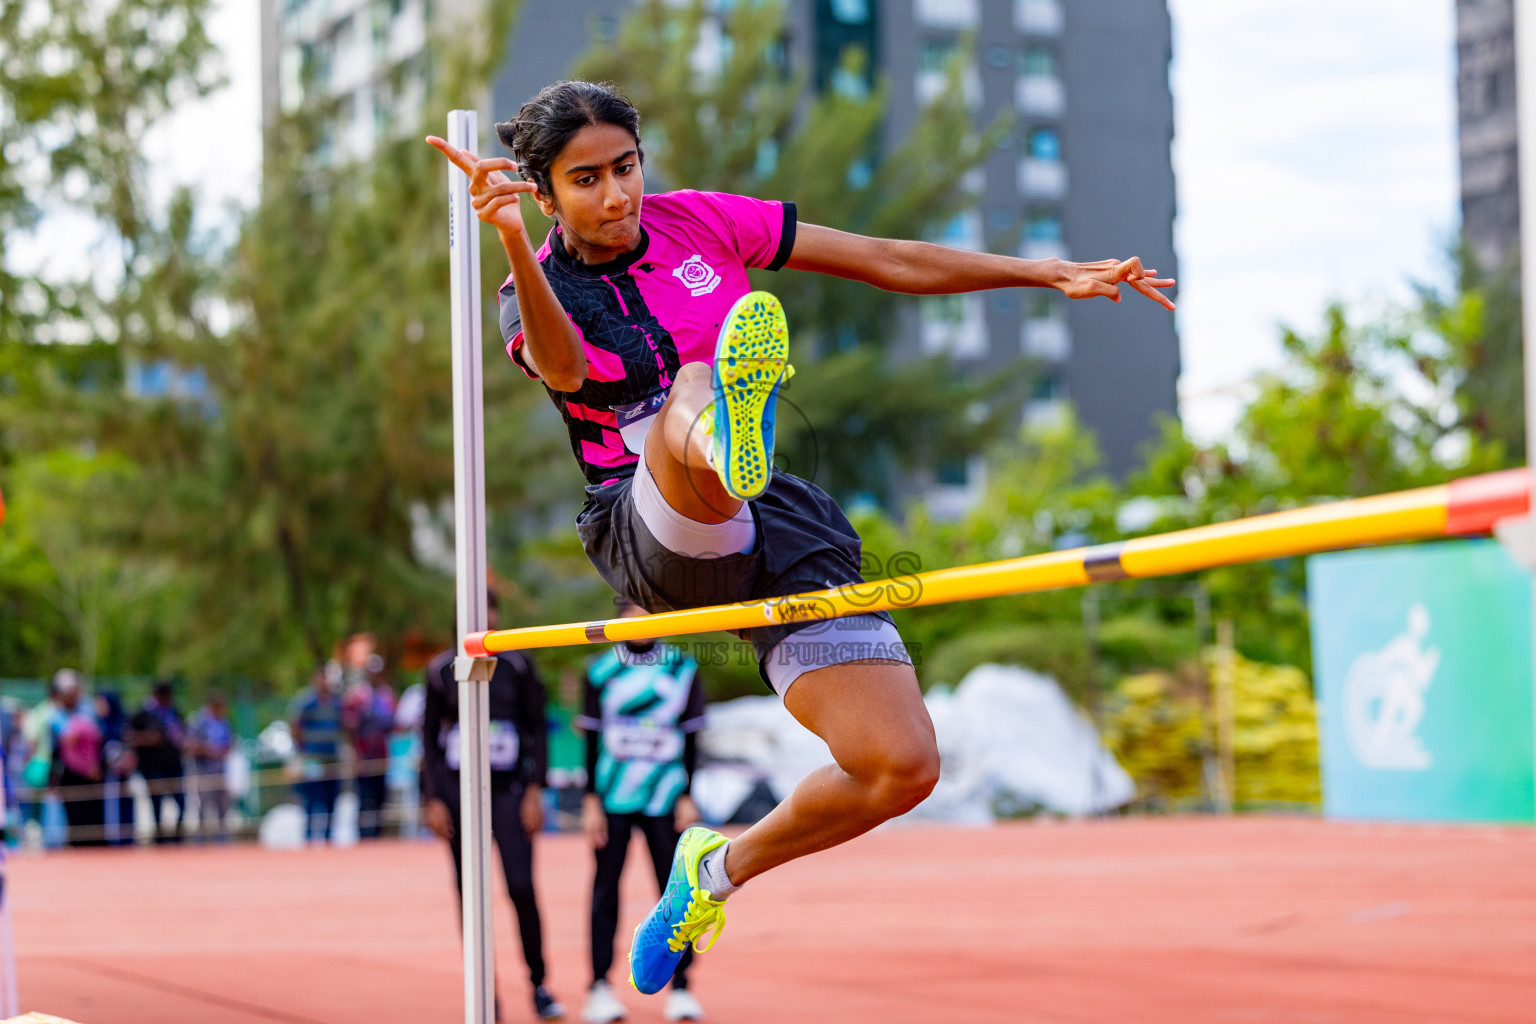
(690, 372)
(907, 776)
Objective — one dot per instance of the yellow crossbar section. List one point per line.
(1472, 505)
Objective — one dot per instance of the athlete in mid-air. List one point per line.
(637, 315)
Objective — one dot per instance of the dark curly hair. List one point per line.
(547, 122)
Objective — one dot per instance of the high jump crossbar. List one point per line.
(1470, 505)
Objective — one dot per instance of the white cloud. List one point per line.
(214, 145)
(1316, 160)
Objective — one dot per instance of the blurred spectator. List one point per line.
(77, 761)
(369, 715)
(11, 742)
(34, 756)
(210, 738)
(519, 748)
(359, 661)
(157, 736)
(315, 720)
(643, 705)
(118, 764)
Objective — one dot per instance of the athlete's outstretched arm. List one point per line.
(551, 346)
(922, 268)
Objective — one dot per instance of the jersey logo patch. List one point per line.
(699, 277)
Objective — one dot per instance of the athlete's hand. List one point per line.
(594, 821)
(533, 810)
(686, 814)
(1103, 277)
(438, 818)
(492, 193)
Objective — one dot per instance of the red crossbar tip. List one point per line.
(474, 645)
(1477, 502)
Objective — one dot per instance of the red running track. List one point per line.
(1143, 920)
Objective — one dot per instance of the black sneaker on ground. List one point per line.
(546, 1006)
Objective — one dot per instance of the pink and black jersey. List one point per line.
(646, 313)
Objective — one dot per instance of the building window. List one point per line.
(950, 472)
(961, 15)
(935, 59)
(1038, 17)
(1038, 62)
(1044, 306)
(999, 57)
(1039, 89)
(850, 82)
(379, 31)
(936, 54)
(1045, 335)
(954, 325)
(850, 12)
(1041, 172)
(846, 51)
(962, 232)
(1039, 96)
(767, 159)
(1044, 144)
(860, 173)
(1043, 235)
(1043, 226)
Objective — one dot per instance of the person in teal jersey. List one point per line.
(642, 708)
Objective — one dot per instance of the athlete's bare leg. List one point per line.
(871, 715)
(676, 447)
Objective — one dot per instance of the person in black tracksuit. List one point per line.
(519, 743)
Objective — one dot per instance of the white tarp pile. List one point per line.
(1009, 740)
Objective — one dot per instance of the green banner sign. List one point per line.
(1423, 660)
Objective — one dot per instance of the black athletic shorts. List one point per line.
(804, 543)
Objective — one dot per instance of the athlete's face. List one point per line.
(598, 184)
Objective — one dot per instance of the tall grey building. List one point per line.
(1085, 171)
(1485, 99)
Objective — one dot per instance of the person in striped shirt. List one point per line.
(643, 706)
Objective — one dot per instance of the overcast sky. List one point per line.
(1315, 150)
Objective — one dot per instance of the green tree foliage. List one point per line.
(1044, 492)
(1357, 409)
(306, 496)
(1480, 318)
(81, 82)
(68, 575)
(301, 455)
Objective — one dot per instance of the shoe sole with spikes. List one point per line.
(751, 364)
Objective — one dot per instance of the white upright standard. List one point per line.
(469, 552)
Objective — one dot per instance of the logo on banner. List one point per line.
(699, 277)
(1384, 699)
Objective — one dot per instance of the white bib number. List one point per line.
(639, 740)
(635, 420)
(503, 743)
